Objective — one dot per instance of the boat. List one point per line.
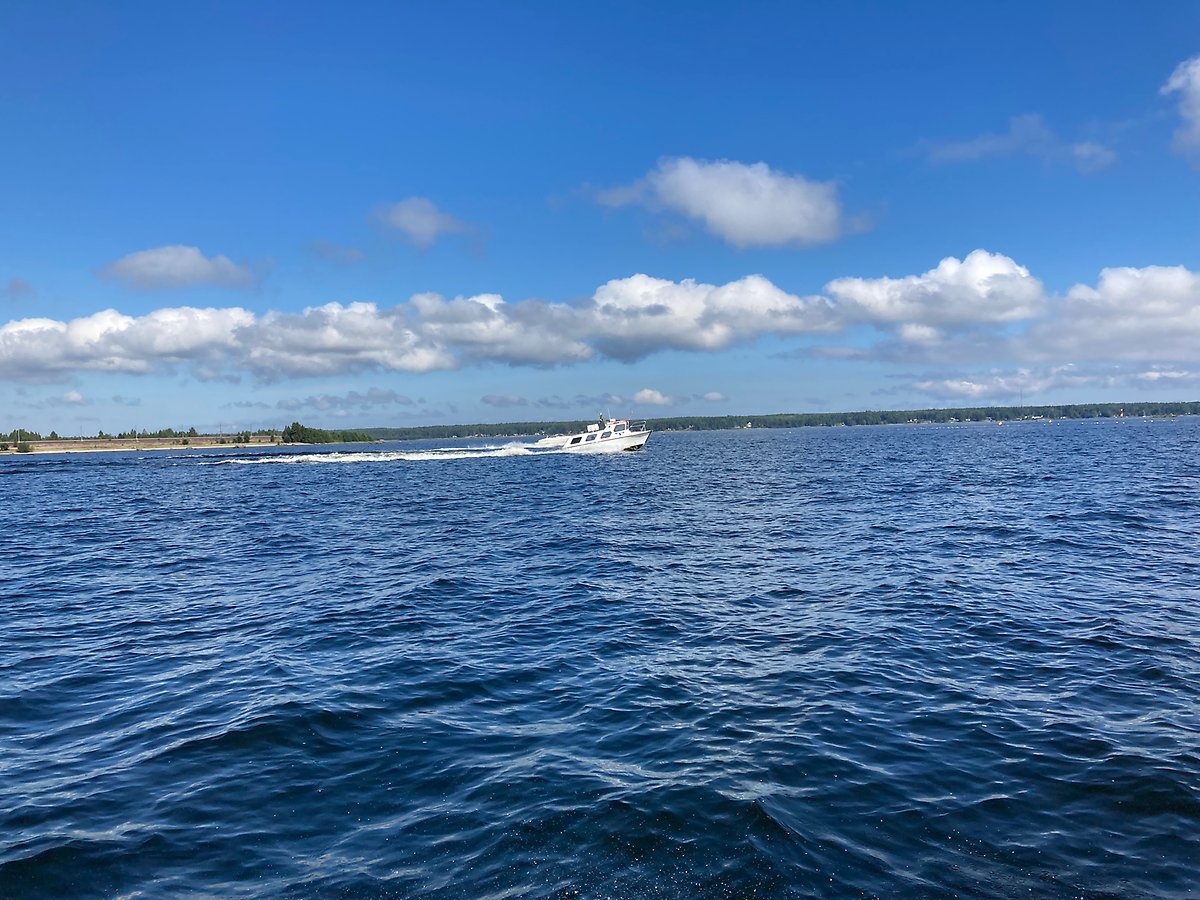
(605, 436)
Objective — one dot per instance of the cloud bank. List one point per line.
(984, 306)
(1022, 384)
(745, 205)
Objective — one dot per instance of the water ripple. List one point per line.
(932, 661)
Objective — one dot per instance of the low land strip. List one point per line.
(31, 442)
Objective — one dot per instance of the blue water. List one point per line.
(898, 661)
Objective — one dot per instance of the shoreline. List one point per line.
(118, 445)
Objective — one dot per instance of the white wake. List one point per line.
(368, 456)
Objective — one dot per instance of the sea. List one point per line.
(952, 660)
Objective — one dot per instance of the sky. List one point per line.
(230, 216)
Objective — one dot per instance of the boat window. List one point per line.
(619, 428)
(606, 434)
(591, 437)
(575, 440)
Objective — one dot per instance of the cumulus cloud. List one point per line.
(107, 341)
(1027, 135)
(713, 397)
(985, 306)
(984, 289)
(177, 266)
(1149, 314)
(626, 319)
(419, 220)
(334, 339)
(488, 328)
(652, 397)
(632, 317)
(1185, 81)
(746, 205)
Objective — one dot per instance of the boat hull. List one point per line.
(615, 444)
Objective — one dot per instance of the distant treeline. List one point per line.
(294, 433)
(26, 434)
(803, 420)
(302, 434)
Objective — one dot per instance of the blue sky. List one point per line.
(238, 215)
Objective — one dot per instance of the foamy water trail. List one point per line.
(369, 456)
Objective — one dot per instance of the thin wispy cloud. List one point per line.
(1027, 135)
(746, 205)
(17, 289)
(177, 266)
(419, 220)
(336, 253)
(1185, 82)
(503, 401)
(1027, 385)
(351, 401)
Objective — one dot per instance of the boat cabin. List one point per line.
(610, 429)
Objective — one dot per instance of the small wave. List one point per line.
(443, 453)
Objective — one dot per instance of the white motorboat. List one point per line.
(607, 436)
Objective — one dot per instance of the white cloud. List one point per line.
(486, 327)
(1185, 81)
(983, 307)
(333, 339)
(632, 317)
(652, 397)
(177, 266)
(1150, 314)
(1003, 386)
(74, 398)
(1153, 376)
(419, 219)
(107, 341)
(746, 205)
(1030, 385)
(1027, 135)
(983, 289)
(714, 397)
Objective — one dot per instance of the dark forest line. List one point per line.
(803, 420)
